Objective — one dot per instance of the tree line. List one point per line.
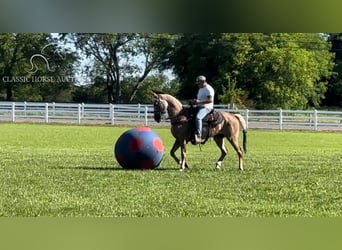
(253, 70)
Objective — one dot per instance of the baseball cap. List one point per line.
(200, 79)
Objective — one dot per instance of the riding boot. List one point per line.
(198, 139)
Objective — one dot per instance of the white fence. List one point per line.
(140, 114)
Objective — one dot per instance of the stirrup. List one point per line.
(198, 139)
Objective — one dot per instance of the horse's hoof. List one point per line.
(218, 165)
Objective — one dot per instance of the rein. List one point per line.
(177, 119)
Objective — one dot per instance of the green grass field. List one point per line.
(59, 170)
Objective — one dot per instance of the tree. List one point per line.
(107, 50)
(155, 50)
(91, 93)
(34, 67)
(152, 82)
(264, 70)
(231, 94)
(333, 96)
(194, 54)
(291, 71)
(116, 56)
(14, 53)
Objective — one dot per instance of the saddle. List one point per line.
(213, 118)
(210, 121)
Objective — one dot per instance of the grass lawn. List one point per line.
(59, 170)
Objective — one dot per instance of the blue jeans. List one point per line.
(202, 112)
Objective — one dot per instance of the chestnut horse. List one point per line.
(182, 128)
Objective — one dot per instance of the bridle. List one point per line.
(159, 109)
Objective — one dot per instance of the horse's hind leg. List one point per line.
(234, 141)
(220, 143)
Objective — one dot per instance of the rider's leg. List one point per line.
(202, 112)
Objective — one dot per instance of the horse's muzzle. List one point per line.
(157, 117)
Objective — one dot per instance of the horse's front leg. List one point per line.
(183, 164)
(174, 148)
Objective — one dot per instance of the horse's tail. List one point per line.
(244, 130)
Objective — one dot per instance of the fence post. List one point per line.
(13, 111)
(46, 112)
(25, 109)
(139, 110)
(146, 109)
(53, 108)
(111, 110)
(79, 113)
(315, 119)
(247, 117)
(82, 109)
(280, 119)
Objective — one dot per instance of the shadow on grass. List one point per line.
(92, 168)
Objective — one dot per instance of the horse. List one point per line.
(227, 125)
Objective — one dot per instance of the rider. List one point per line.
(205, 104)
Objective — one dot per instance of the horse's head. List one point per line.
(160, 106)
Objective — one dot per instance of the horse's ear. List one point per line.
(158, 92)
(155, 95)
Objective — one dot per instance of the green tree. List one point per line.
(290, 71)
(91, 93)
(195, 54)
(231, 94)
(154, 48)
(15, 50)
(263, 70)
(115, 59)
(108, 51)
(30, 64)
(333, 96)
(152, 82)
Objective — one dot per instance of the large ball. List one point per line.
(139, 148)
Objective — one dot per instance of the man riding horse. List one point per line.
(219, 124)
(204, 103)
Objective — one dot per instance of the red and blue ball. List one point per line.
(139, 148)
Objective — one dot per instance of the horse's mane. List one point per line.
(170, 98)
(174, 99)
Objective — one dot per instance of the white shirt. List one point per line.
(203, 94)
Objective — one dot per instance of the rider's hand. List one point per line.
(194, 102)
